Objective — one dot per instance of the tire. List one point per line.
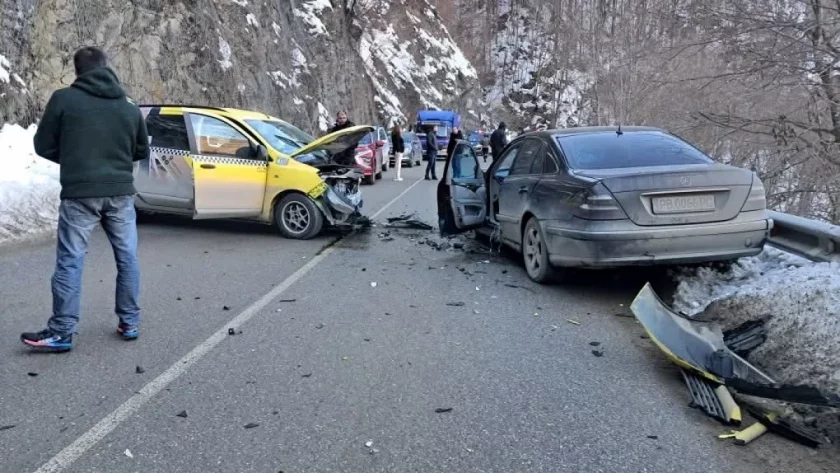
(298, 218)
(370, 180)
(410, 164)
(379, 175)
(535, 254)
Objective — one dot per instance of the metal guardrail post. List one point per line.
(817, 241)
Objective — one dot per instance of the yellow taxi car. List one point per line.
(210, 162)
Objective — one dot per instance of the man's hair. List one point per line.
(89, 58)
(340, 113)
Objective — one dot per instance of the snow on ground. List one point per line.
(226, 52)
(800, 302)
(29, 186)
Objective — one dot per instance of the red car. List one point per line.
(369, 157)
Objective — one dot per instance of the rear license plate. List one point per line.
(678, 204)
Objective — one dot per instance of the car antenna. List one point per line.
(619, 132)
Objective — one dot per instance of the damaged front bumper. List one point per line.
(340, 197)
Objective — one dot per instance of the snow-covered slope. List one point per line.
(29, 187)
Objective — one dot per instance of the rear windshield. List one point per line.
(608, 150)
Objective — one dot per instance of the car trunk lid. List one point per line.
(677, 195)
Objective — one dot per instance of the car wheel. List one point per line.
(535, 253)
(379, 175)
(370, 180)
(298, 217)
(409, 164)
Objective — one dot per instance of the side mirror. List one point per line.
(380, 143)
(260, 152)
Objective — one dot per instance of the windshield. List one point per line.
(443, 131)
(366, 140)
(609, 150)
(283, 137)
(408, 137)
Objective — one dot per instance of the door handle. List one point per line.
(208, 166)
(523, 190)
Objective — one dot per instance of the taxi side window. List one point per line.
(168, 131)
(217, 138)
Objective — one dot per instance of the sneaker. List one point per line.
(434, 178)
(128, 333)
(428, 178)
(47, 341)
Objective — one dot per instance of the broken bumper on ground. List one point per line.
(581, 243)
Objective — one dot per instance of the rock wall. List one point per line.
(301, 60)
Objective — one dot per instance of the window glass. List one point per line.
(168, 131)
(215, 137)
(504, 167)
(526, 157)
(550, 164)
(367, 139)
(539, 163)
(464, 164)
(609, 150)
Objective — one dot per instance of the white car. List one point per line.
(382, 135)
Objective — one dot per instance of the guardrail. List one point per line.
(810, 239)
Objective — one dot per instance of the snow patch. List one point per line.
(241, 3)
(310, 11)
(5, 69)
(276, 28)
(29, 186)
(252, 20)
(323, 117)
(225, 51)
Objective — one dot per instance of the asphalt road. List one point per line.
(348, 376)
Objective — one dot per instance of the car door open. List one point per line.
(229, 175)
(461, 195)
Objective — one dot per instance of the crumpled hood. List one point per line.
(101, 82)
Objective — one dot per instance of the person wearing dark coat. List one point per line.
(453, 140)
(348, 156)
(399, 149)
(95, 134)
(431, 153)
(498, 140)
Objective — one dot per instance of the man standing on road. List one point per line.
(94, 133)
(431, 153)
(346, 157)
(498, 140)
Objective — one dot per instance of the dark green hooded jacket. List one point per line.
(95, 134)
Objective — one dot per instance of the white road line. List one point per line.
(89, 439)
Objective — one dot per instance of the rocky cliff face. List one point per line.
(301, 60)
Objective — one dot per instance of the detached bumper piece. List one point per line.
(711, 364)
(713, 399)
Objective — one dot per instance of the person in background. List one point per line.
(399, 149)
(485, 146)
(348, 156)
(453, 140)
(95, 134)
(431, 153)
(498, 140)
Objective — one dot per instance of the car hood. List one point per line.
(336, 142)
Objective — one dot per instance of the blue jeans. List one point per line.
(76, 220)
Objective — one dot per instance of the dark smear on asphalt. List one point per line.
(288, 300)
(231, 331)
(177, 298)
(653, 437)
(598, 353)
(307, 375)
(32, 373)
(521, 287)
(594, 344)
(441, 410)
(251, 425)
(455, 304)
(624, 314)
(139, 369)
(182, 414)
(319, 326)
(6, 427)
(225, 308)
